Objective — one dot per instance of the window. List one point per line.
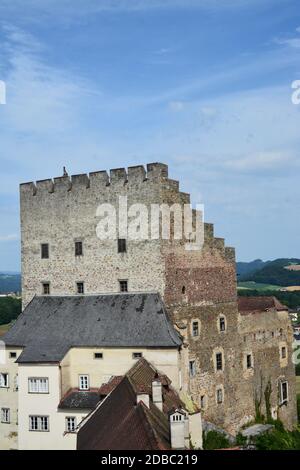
(84, 382)
(122, 245)
(283, 352)
(38, 423)
(195, 328)
(4, 380)
(284, 392)
(5, 415)
(183, 290)
(249, 361)
(219, 361)
(123, 286)
(222, 324)
(70, 424)
(45, 251)
(137, 355)
(12, 355)
(203, 401)
(80, 288)
(98, 356)
(219, 396)
(46, 288)
(38, 385)
(78, 249)
(192, 367)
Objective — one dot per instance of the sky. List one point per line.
(202, 85)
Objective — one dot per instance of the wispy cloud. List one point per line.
(9, 238)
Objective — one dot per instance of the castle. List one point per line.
(231, 356)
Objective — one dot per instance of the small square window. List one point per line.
(46, 288)
(5, 415)
(78, 249)
(222, 324)
(219, 396)
(195, 328)
(192, 368)
(123, 286)
(12, 355)
(283, 352)
(44, 250)
(80, 288)
(98, 355)
(219, 361)
(249, 361)
(137, 355)
(122, 245)
(84, 382)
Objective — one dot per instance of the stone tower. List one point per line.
(198, 287)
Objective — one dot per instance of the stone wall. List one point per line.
(195, 285)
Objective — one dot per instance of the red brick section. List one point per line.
(195, 279)
(247, 305)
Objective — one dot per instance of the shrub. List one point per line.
(215, 440)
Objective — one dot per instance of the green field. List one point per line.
(251, 285)
(3, 329)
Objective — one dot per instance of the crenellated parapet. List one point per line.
(116, 176)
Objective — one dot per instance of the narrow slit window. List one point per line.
(44, 250)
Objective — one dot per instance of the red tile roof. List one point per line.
(259, 304)
(120, 423)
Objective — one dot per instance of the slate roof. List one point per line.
(119, 423)
(50, 325)
(79, 399)
(259, 304)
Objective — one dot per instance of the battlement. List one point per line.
(132, 175)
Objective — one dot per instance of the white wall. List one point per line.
(9, 399)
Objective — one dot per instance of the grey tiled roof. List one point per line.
(51, 325)
(80, 400)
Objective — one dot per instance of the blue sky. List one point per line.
(203, 85)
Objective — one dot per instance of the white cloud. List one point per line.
(40, 97)
(272, 160)
(176, 106)
(8, 238)
(290, 42)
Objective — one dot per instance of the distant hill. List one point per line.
(244, 268)
(280, 272)
(10, 283)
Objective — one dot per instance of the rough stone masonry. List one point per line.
(232, 359)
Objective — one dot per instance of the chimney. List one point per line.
(144, 397)
(178, 429)
(157, 393)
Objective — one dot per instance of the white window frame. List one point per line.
(71, 427)
(41, 423)
(38, 385)
(282, 400)
(218, 369)
(84, 382)
(5, 415)
(222, 318)
(4, 380)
